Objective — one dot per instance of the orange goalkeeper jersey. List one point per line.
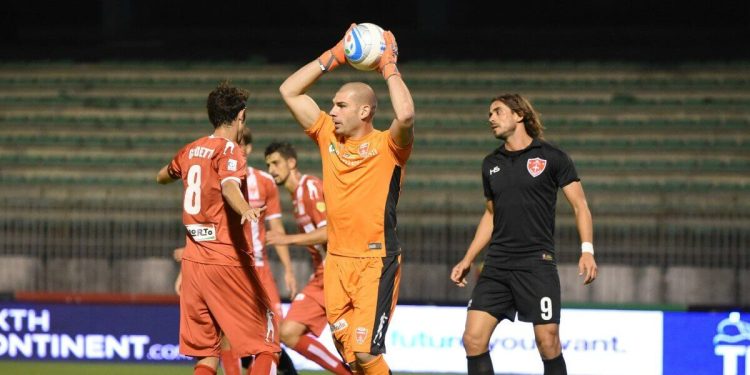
(362, 182)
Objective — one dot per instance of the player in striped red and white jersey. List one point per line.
(306, 317)
(262, 192)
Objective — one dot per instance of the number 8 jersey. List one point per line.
(214, 232)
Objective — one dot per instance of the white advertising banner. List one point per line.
(601, 342)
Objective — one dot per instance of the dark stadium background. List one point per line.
(650, 97)
(293, 31)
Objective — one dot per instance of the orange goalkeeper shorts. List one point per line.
(360, 295)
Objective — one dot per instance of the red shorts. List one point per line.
(266, 279)
(308, 306)
(216, 299)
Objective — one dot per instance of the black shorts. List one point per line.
(534, 294)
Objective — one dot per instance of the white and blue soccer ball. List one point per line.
(363, 46)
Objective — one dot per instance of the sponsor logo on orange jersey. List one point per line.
(339, 325)
(363, 148)
(353, 160)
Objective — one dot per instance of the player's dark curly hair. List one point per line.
(224, 103)
(285, 149)
(531, 119)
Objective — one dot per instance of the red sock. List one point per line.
(230, 363)
(313, 350)
(376, 367)
(203, 370)
(264, 364)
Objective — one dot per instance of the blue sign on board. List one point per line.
(89, 332)
(706, 343)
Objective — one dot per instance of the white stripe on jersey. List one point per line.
(313, 194)
(253, 193)
(299, 192)
(271, 217)
(268, 176)
(231, 178)
(312, 191)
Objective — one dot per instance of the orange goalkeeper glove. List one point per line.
(387, 65)
(335, 56)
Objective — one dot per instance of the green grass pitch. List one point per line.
(97, 368)
(89, 368)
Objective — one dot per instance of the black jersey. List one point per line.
(522, 186)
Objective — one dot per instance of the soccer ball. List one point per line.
(363, 46)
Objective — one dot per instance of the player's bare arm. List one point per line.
(303, 107)
(232, 194)
(482, 237)
(402, 127)
(177, 254)
(293, 91)
(178, 283)
(577, 199)
(163, 176)
(317, 237)
(276, 226)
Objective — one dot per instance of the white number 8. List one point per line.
(192, 202)
(546, 305)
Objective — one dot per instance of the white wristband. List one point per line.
(587, 247)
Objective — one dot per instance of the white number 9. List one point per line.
(546, 305)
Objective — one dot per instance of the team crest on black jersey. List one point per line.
(536, 166)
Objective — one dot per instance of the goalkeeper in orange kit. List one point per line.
(363, 168)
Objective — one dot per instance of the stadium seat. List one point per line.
(616, 284)
(571, 286)
(79, 275)
(688, 285)
(744, 288)
(149, 275)
(19, 272)
(627, 284)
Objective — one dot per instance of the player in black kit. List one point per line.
(520, 180)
